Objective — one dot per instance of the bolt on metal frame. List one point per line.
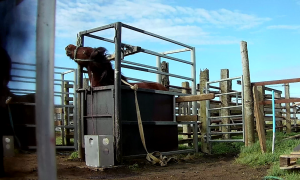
(157, 70)
(209, 140)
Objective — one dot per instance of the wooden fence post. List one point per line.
(66, 113)
(248, 97)
(164, 78)
(225, 99)
(261, 97)
(288, 110)
(279, 114)
(204, 77)
(187, 111)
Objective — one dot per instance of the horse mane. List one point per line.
(101, 67)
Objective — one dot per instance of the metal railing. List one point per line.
(238, 104)
(119, 62)
(23, 83)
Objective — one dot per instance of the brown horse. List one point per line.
(99, 68)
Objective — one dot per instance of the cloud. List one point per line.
(289, 27)
(180, 23)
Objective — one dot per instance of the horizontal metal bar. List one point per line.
(22, 81)
(164, 56)
(27, 77)
(221, 94)
(156, 72)
(238, 132)
(216, 117)
(176, 51)
(217, 125)
(67, 72)
(99, 116)
(57, 147)
(151, 122)
(227, 79)
(25, 125)
(163, 153)
(97, 29)
(22, 89)
(139, 80)
(227, 140)
(138, 64)
(30, 64)
(155, 35)
(187, 122)
(67, 127)
(100, 38)
(228, 107)
(32, 70)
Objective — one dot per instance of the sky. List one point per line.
(215, 28)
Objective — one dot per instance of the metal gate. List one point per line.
(233, 124)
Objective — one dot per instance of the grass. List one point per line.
(254, 157)
(59, 141)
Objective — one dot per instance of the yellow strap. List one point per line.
(150, 156)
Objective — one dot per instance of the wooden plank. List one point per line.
(200, 97)
(281, 101)
(187, 118)
(282, 81)
(58, 110)
(259, 122)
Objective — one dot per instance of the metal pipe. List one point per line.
(138, 64)
(75, 116)
(228, 107)
(176, 51)
(164, 56)
(216, 117)
(158, 65)
(117, 125)
(194, 92)
(139, 80)
(45, 36)
(157, 72)
(274, 121)
(227, 79)
(155, 35)
(97, 29)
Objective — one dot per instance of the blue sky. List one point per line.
(215, 28)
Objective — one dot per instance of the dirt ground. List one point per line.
(24, 166)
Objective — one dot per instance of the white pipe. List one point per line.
(274, 121)
(45, 90)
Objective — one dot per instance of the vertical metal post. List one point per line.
(274, 121)
(243, 110)
(118, 124)
(80, 104)
(75, 117)
(62, 128)
(45, 90)
(208, 130)
(158, 64)
(194, 107)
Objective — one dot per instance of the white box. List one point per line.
(99, 150)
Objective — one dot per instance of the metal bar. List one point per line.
(282, 81)
(117, 125)
(176, 51)
(97, 29)
(227, 79)
(221, 94)
(216, 117)
(67, 72)
(227, 140)
(194, 103)
(31, 64)
(235, 124)
(139, 80)
(155, 35)
(275, 90)
(45, 36)
(158, 65)
(157, 72)
(155, 122)
(138, 64)
(228, 107)
(208, 129)
(164, 56)
(75, 118)
(237, 132)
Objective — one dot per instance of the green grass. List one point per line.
(254, 157)
(59, 141)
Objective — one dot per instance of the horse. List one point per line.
(100, 69)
